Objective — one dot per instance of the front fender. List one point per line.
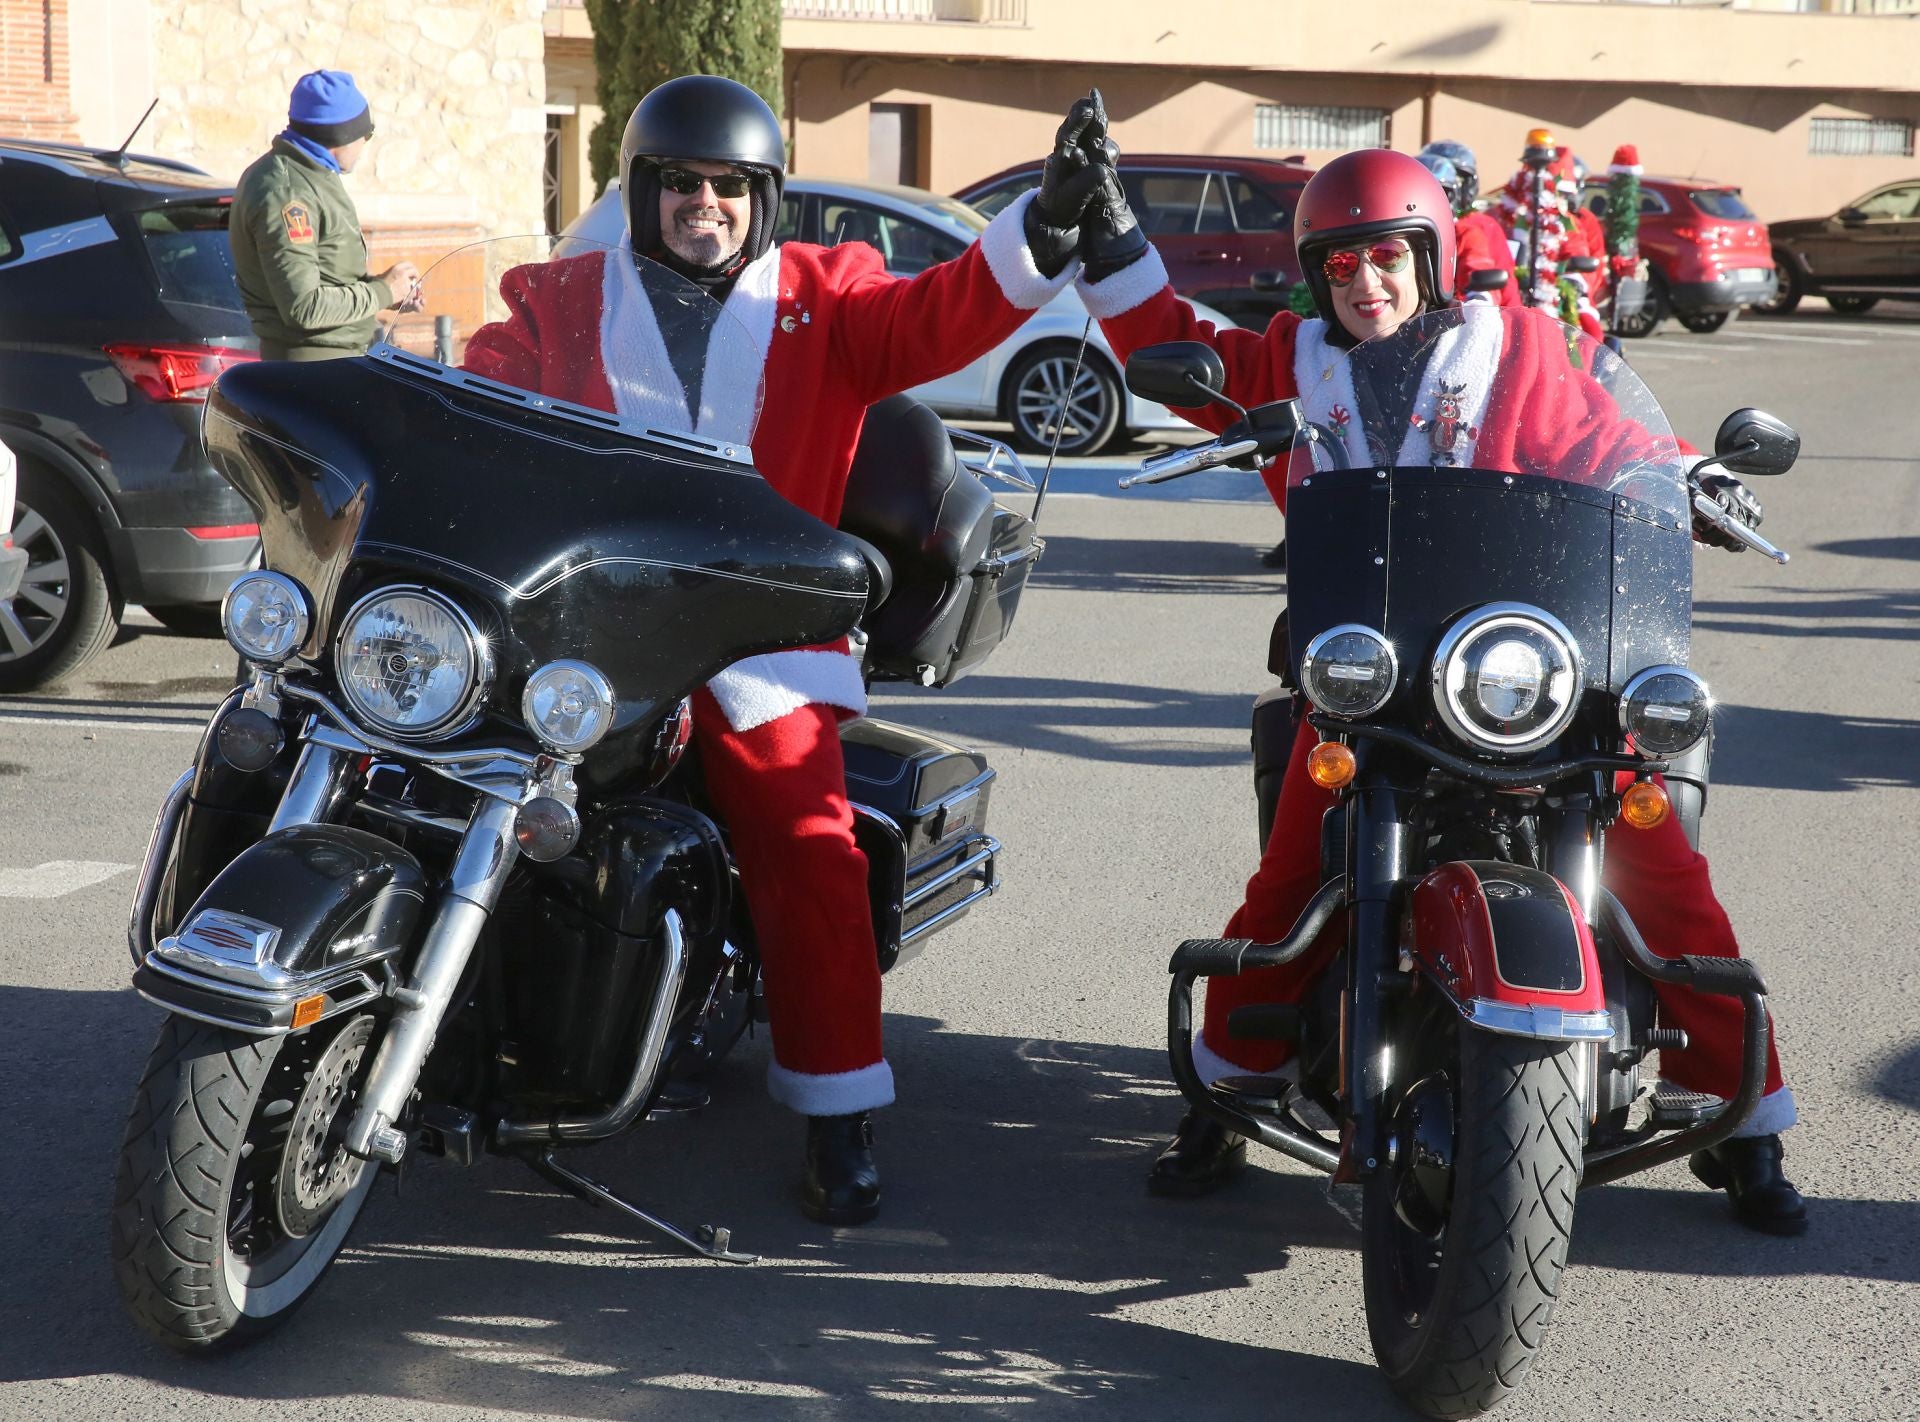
(1510, 948)
(293, 931)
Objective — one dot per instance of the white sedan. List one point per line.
(1024, 380)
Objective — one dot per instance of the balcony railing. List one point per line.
(979, 12)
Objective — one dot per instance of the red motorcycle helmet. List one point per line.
(1370, 193)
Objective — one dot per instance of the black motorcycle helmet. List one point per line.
(707, 117)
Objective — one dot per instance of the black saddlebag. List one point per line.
(959, 560)
(920, 815)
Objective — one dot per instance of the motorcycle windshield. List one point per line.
(1484, 455)
(564, 447)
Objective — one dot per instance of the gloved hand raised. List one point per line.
(1110, 235)
(1067, 183)
(1737, 499)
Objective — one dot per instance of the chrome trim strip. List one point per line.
(153, 864)
(989, 885)
(988, 848)
(210, 1019)
(646, 1066)
(294, 988)
(1513, 1020)
(989, 466)
(498, 771)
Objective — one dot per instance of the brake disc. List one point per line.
(315, 1169)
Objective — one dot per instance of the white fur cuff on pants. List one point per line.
(1212, 1066)
(1775, 1113)
(834, 1094)
(1010, 259)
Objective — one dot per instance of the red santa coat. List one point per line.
(1481, 245)
(828, 333)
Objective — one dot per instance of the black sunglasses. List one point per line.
(687, 182)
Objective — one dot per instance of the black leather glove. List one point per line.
(1737, 499)
(1067, 183)
(1110, 235)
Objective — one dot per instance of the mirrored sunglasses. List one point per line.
(1390, 258)
(687, 182)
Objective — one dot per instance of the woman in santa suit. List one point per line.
(702, 166)
(1375, 236)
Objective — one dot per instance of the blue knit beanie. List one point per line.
(329, 108)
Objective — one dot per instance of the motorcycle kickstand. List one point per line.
(705, 1241)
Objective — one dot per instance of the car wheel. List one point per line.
(1037, 400)
(1787, 289)
(190, 620)
(1852, 305)
(1703, 323)
(64, 612)
(1652, 311)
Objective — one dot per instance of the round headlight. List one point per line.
(265, 616)
(568, 706)
(410, 662)
(1349, 670)
(1666, 710)
(1507, 678)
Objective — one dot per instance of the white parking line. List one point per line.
(102, 723)
(1809, 340)
(57, 878)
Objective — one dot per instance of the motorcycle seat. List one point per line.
(931, 520)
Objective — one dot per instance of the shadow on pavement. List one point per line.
(1146, 565)
(1894, 614)
(1767, 748)
(1899, 1080)
(1019, 1260)
(1905, 549)
(1080, 719)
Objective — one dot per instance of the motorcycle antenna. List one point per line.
(119, 155)
(1060, 421)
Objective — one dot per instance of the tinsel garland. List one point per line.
(1623, 215)
(1300, 300)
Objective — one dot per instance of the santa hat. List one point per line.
(1626, 159)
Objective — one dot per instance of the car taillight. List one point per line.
(1686, 233)
(226, 530)
(172, 374)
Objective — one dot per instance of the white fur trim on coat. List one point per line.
(640, 375)
(1468, 355)
(1010, 259)
(1127, 288)
(839, 1093)
(760, 689)
(1212, 1066)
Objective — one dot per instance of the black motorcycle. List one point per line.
(1494, 656)
(441, 876)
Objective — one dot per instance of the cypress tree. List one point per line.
(640, 44)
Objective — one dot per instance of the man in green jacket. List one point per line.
(298, 255)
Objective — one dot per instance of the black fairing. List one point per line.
(1410, 553)
(659, 565)
(336, 894)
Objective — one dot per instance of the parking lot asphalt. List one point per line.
(1019, 1270)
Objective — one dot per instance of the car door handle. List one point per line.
(1213, 256)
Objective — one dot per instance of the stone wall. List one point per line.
(457, 88)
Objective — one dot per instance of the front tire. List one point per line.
(1653, 310)
(1460, 1283)
(65, 612)
(1851, 305)
(1787, 288)
(1703, 323)
(1036, 400)
(232, 1198)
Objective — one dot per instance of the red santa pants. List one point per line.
(781, 790)
(1656, 874)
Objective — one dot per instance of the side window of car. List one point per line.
(1175, 204)
(1651, 202)
(1255, 209)
(850, 222)
(1594, 200)
(1894, 203)
(911, 247)
(991, 202)
(787, 229)
(9, 244)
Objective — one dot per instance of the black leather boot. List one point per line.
(1749, 1169)
(842, 1186)
(1201, 1158)
(1276, 556)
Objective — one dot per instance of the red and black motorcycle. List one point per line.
(1495, 659)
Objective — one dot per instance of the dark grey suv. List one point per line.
(117, 312)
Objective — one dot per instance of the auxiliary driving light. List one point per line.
(568, 705)
(1349, 671)
(264, 616)
(1645, 805)
(1666, 710)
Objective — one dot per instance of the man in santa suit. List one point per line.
(1569, 173)
(1375, 235)
(1479, 243)
(827, 333)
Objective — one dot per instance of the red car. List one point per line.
(1709, 254)
(1217, 222)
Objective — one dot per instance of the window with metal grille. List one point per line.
(1860, 138)
(550, 175)
(1320, 126)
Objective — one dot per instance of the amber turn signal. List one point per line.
(1330, 765)
(307, 1010)
(1645, 805)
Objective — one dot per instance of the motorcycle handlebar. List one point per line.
(1711, 511)
(1181, 462)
